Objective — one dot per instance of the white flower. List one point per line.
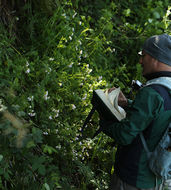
(56, 115)
(73, 106)
(84, 97)
(2, 107)
(76, 138)
(58, 147)
(32, 114)
(51, 59)
(27, 63)
(49, 70)
(150, 20)
(56, 112)
(87, 153)
(46, 97)
(81, 52)
(70, 37)
(30, 98)
(73, 29)
(27, 71)
(74, 15)
(89, 71)
(45, 133)
(50, 117)
(83, 149)
(140, 53)
(113, 50)
(100, 78)
(70, 65)
(60, 84)
(56, 131)
(79, 42)
(64, 15)
(80, 23)
(86, 55)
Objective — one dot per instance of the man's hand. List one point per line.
(122, 100)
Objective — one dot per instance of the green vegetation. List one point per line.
(53, 54)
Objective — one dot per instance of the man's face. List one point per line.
(149, 64)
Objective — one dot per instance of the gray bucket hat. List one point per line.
(159, 47)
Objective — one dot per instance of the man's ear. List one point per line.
(156, 63)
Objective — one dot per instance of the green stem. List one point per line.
(95, 150)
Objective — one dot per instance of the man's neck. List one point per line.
(158, 74)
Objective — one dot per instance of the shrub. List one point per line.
(63, 51)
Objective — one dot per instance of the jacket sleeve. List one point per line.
(146, 106)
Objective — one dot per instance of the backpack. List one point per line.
(160, 159)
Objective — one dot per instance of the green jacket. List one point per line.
(150, 113)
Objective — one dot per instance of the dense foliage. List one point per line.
(53, 54)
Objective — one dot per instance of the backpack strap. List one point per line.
(164, 93)
(145, 145)
(162, 85)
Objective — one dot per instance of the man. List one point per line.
(149, 113)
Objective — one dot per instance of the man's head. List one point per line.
(156, 54)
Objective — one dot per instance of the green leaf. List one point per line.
(1, 157)
(37, 162)
(46, 186)
(85, 30)
(37, 135)
(30, 144)
(156, 15)
(1, 171)
(127, 12)
(6, 175)
(49, 149)
(42, 170)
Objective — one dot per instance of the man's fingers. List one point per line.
(111, 89)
